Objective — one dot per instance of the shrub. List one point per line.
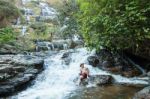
(6, 35)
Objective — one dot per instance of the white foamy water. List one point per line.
(57, 80)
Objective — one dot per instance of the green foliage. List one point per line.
(6, 35)
(67, 17)
(115, 24)
(39, 27)
(8, 11)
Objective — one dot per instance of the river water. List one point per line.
(57, 81)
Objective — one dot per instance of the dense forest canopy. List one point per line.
(114, 24)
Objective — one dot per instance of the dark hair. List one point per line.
(81, 64)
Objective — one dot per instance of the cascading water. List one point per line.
(47, 12)
(18, 21)
(24, 28)
(65, 46)
(57, 80)
(76, 37)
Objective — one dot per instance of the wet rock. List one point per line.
(27, 60)
(107, 64)
(76, 44)
(116, 63)
(17, 71)
(101, 79)
(98, 80)
(148, 74)
(93, 60)
(65, 55)
(5, 76)
(66, 58)
(143, 94)
(6, 69)
(31, 71)
(130, 73)
(116, 69)
(67, 61)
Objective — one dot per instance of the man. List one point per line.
(84, 73)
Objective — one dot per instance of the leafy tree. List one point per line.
(114, 24)
(67, 17)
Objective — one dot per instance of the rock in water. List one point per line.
(93, 60)
(98, 80)
(101, 79)
(16, 71)
(143, 94)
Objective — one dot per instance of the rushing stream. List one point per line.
(57, 80)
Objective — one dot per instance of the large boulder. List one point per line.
(93, 60)
(16, 71)
(101, 79)
(143, 94)
(107, 64)
(116, 63)
(98, 80)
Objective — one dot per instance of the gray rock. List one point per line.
(19, 68)
(5, 76)
(148, 74)
(27, 60)
(98, 80)
(6, 69)
(93, 60)
(107, 64)
(143, 94)
(31, 71)
(66, 58)
(101, 79)
(65, 55)
(16, 71)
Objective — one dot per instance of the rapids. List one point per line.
(57, 80)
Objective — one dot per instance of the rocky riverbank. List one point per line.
(17, 71)
(117, 63)
(124, 65)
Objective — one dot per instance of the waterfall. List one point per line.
(27, 19)
(65, 46)
(18, 21)
(24, 28)
(52, 46)
(47, 11)
(63, 28)
(76, 37)
(57, 80)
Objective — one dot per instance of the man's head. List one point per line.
(82, 65)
